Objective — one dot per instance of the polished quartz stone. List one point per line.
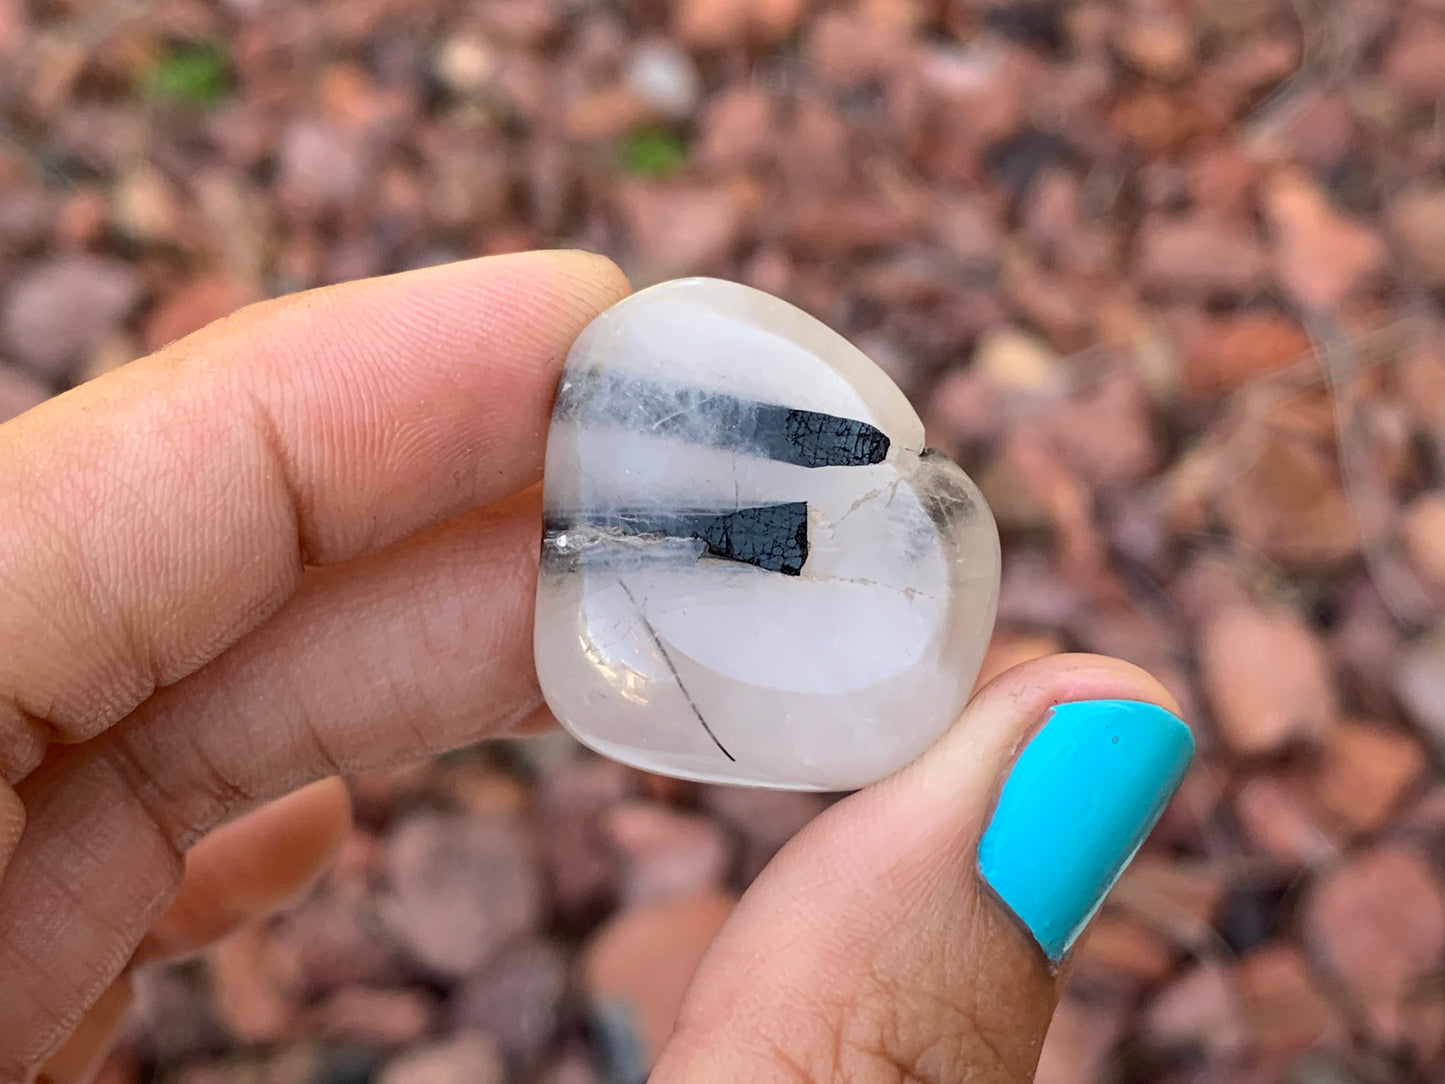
(752, 570)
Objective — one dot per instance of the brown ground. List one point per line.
(1166, 276)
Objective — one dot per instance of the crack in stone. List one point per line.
(910, 593)
(892, 487)
(662, 651)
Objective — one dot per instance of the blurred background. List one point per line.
(1166, 276)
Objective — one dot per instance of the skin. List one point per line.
(303, 542)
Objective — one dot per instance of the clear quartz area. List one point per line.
(753, 572)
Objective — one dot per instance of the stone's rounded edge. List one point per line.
(633, 759)
(541, 664)
(828, 345)
(984, 521)
(990, 523)
(963, 518)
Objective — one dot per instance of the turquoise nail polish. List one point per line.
(1080, 800)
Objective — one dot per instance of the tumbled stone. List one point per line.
(752, 570)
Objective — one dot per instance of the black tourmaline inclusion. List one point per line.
(773, 537)
(810, 439)
(804, 438)
(770, 536)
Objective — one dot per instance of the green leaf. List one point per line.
(195, 73)
(653, 152)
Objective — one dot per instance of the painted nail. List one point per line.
(1080, 800)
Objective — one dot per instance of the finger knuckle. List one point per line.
(184, 791)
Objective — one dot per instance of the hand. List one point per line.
(303, 542)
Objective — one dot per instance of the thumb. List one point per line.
(915, 931)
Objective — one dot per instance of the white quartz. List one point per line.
(823, 674)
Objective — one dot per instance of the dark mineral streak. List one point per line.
(770, 536)
(804, 438)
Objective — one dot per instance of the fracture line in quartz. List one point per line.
(662, 651)
(892, 488)
(910, 593)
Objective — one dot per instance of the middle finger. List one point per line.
(420, 648)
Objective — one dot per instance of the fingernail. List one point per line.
(1080, 800)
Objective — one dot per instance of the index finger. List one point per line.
(151, 518)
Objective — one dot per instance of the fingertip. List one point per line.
(301, 832)
(597, 277)
(324, 806)
(573, 284)
(961, 773)
(80, 1058)
(1118, 729)
(251, 867)
(1077, 676)
(1077, 803)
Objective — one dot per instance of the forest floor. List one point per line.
(1165, 275)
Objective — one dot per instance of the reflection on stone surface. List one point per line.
(752, 570)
